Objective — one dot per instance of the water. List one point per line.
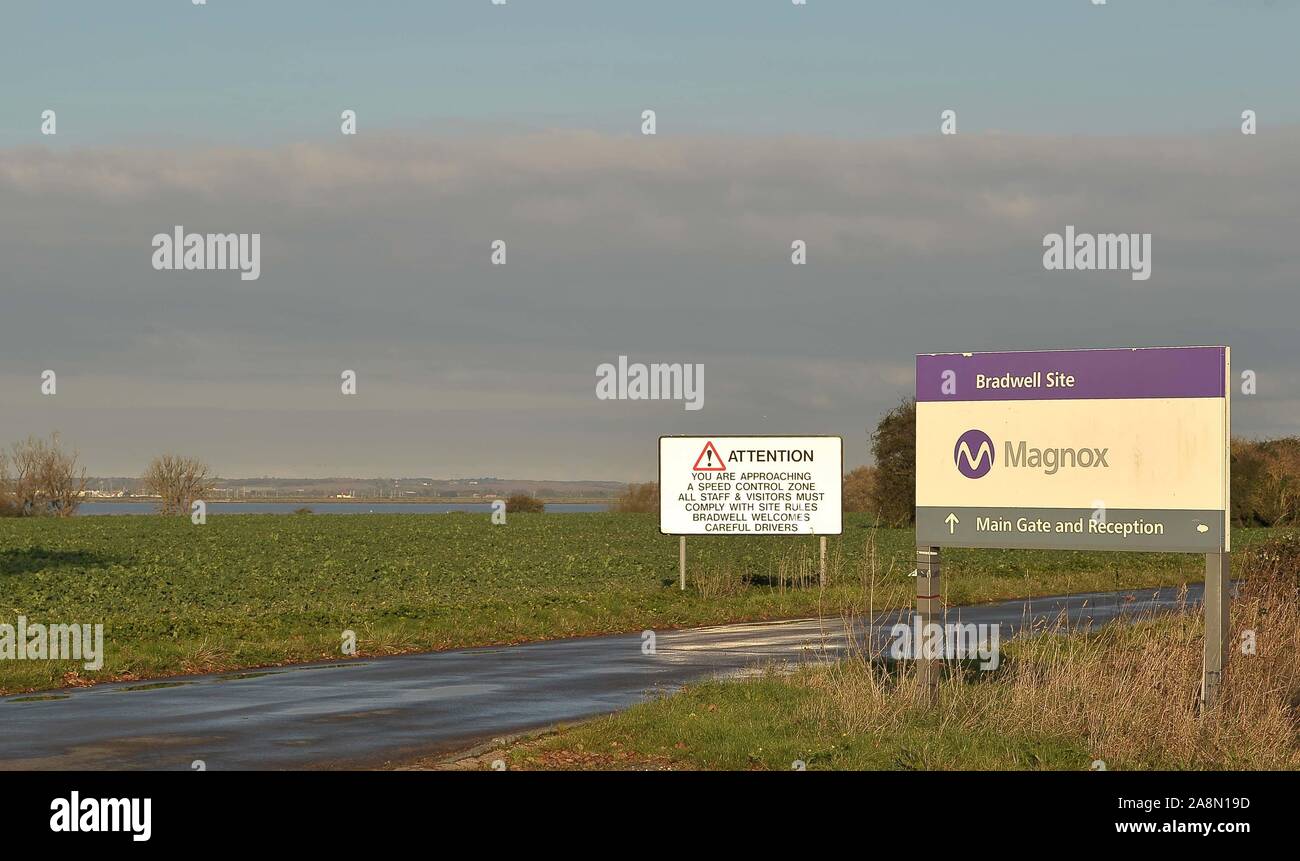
(96, 508)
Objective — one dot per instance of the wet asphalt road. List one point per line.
(369, 712)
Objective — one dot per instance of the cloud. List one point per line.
(376, 258)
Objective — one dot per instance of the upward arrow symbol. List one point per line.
(952, 522)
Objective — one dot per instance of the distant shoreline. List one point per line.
(366, 500)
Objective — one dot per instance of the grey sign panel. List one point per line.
(1170, 530)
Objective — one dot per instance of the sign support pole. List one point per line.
(822, 579)
(681, 560)
(1217, 598)
(927, 611)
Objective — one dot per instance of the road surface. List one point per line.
(368, 712)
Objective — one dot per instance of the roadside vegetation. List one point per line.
(1123, 697)
(639, 499)
(1266, 481)
(250, 590)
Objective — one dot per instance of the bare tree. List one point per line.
(18, 467)
(177, 481)
(61, 483)
(45, 479)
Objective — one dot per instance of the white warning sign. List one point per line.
(750, 485)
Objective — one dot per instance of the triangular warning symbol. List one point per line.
(711, 460)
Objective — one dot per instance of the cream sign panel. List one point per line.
(1078, 449)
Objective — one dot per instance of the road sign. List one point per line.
(750, 485)
(1079, 449)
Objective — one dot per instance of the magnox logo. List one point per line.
(973, 454)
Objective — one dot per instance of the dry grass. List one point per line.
(206, 658)
(718, 581)
(383, 642)
(1132, 692)
(791, 571)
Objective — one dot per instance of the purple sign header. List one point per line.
(1152, 372)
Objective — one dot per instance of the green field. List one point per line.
(250, 590)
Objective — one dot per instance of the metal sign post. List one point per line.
(681, 561)
(928, 610)
(822, 579)
(1217, 584)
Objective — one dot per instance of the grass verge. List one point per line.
(1124, 695)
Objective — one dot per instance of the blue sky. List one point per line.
(249, 72)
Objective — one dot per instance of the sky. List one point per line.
(522, 122)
